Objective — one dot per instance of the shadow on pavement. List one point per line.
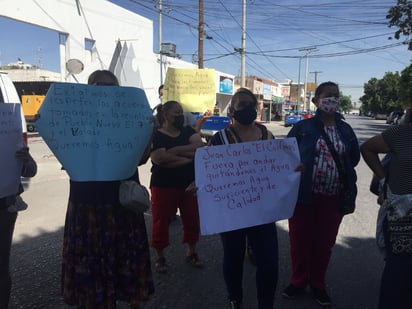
(353, 276)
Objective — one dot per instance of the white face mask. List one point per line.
(329, 104)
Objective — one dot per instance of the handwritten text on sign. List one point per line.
(246, 184)
(96, 132)
(11, 139)
(195, 89)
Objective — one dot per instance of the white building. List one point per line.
(102, 35)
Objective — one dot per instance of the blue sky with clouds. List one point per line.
(351, 38)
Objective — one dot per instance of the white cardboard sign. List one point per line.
(246, 184)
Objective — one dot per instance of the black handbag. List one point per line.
(347, 197)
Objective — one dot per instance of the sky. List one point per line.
(349, 39)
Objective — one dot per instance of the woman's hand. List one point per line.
(300, 168)
(191, 188)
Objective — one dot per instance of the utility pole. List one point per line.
(298, 87)
(307, 51)
(243, 48)
(160, 42)
(316, 76)
(201, 35)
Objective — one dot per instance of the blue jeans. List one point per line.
(396, 281)
(264, 243)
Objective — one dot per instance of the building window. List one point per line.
(89, 44)
(62, 38)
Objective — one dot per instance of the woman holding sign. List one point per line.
(106, 254)
(261, 238)
(173, 150)
(329, 150)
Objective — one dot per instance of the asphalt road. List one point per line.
(353, 276)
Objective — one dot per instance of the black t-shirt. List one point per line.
(178, 177)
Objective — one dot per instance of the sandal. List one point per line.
(160, 265)
(193, 260)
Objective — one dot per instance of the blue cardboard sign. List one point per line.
(98, 133)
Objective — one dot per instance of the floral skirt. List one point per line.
(106, 256)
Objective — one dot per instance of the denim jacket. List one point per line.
(307, 134)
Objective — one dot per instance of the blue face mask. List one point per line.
(246, 115)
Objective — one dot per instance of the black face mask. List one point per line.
(245, 116)
(179, 121)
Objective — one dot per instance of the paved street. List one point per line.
(353, 276)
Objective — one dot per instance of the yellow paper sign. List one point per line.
(194, 89)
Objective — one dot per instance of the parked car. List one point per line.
(398, 118)
(212, 125)
(394, 117)
(292, 118)
(390, 117)
(308, 115)
(380, 116)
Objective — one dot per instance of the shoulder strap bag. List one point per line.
(346, 196)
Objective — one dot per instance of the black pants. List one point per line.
(263, 240)
(7, 221)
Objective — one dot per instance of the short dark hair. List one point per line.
(96, 75)
(322, 86)
(244, 91)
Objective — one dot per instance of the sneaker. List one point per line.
(234, 304)
(321, 297)
(291, 292)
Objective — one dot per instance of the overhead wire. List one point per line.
(367, 13)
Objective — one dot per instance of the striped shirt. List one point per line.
(399, 140)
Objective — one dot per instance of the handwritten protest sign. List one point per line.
(246, 184)
(10, 140)
(195, 89)
(96, 132)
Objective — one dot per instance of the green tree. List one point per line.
(382, 95)
(405, 87)
(400, 16)
(370, 100)
(388, 89)
(345, 103)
